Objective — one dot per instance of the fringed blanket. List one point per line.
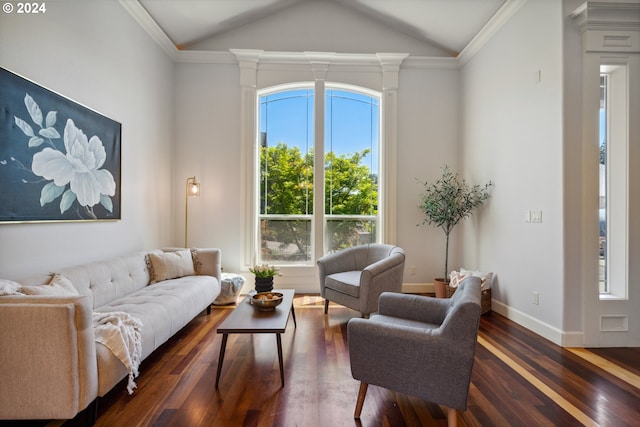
(121, 333)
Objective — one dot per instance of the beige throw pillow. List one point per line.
(58, 285)
(171, 265)
(197, 265)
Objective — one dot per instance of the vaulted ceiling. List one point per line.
(448, 24)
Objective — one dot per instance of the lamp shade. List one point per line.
(192, 190)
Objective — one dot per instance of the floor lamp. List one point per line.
(192, 190)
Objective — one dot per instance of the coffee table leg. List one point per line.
(293, 313)
(223, 346)
(279, 339)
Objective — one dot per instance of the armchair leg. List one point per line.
(326, 306)
(452, 420)
(361, 395)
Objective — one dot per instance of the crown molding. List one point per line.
(142, 17)
(497, 21)
(401, 60)
(326, 59)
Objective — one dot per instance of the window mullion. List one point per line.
(318, 174)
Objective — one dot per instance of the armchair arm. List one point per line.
(48, 364)
(382, 276)
(384, 264)
(414, 361)
(414, 307)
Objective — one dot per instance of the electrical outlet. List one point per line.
(536, 298)
(412, 270)
(536, 216)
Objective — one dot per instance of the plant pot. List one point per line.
(441, 287)
(264, 284)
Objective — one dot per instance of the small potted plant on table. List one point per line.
(446, 202)
(264, 276)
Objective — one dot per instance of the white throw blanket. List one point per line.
(121, 333)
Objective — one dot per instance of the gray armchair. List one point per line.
(355, 277)
(419, 346)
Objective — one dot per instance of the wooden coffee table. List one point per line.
(247, 319)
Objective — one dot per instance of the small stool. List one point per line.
(230, 287)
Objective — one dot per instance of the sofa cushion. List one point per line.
(347, 282)
(58, 285)
(166, 307)
(170, 265)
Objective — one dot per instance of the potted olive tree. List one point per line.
(446, 202)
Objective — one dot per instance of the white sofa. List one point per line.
(51, 367)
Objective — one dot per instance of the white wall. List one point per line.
(512, 134)
(208, 146)
(427, 140)
(95, 54)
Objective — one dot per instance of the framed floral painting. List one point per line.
(59, 160)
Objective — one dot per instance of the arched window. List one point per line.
(286, 156)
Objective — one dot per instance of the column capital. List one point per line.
(390, 64)
(248, 61)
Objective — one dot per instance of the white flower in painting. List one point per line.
(79, 167)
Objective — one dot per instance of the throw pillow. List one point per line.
(197, 265)
(58, 285)
(455, 278)
(486, 278)
(171, 265)
(9, 287)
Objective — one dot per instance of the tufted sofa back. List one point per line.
(104, 281)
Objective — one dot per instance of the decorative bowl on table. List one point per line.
(266, 301)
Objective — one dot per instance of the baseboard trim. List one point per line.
(555, 335)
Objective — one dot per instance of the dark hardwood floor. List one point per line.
(519, 379)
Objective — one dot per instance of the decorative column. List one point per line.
(319, 67)
(248, 61)
(390, 63)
